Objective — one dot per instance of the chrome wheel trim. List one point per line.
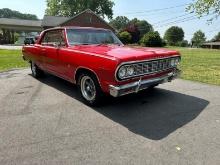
(33, 68)
(88, 88)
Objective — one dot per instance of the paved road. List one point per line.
(10, 47)
(44, 122)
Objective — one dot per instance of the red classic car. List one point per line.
(97, 61)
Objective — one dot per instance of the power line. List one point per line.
(176, 21)
(164, 13)
(159, 9)
(168, 21)
(180, 16)
(186, 19)
(171, 18)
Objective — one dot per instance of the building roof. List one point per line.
(48, 21)
(20, 22)
(52, 21)
(88, 11)
(212, 43)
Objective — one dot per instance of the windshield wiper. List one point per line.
(83, 44)
(109, 44)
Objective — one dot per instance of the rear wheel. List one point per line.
(36, 71)
(89, 88)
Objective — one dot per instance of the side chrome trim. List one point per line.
(140, 61)
(80, 67)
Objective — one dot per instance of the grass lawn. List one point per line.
(197, 64)
(200, 65)
(11, 59)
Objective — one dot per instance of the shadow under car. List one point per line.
(153, 114)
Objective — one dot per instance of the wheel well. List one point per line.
(84, 70)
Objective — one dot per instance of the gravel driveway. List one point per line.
(45, 122)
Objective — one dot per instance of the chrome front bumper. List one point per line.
(134, 87)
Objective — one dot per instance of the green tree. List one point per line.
(205, 7)
(72, 7)
(8, 36)
(183, 43)
(198, 38)
(125, 37)
(152, 39)
(119, 23)
(8, 13)
(173, 35)
(142, 25)
(217, 37)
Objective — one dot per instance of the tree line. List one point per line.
(8, 36)
(129, 31)
(8, 13)
(142, 32)
(138, 31)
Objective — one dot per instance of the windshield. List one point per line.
(91, 36)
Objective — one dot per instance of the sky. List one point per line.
(141, 9)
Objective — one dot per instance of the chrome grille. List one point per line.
(150, 67)
(135, 69)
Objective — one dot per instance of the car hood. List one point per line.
(126, 53)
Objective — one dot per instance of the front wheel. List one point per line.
(152, 86)
(36, 71)
(90, 89)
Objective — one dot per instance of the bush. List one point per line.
(152, 39)
(164, 42)
(183, 43)
(125, 37)
(134, 31)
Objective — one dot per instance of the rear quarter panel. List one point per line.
(32, 53)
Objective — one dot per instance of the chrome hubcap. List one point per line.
(88, 88)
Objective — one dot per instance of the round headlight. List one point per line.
(130, 70)
(172, 62)
(122, 72)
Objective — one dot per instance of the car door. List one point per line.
(51, 44)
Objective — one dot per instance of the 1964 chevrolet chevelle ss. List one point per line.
(97, 61)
